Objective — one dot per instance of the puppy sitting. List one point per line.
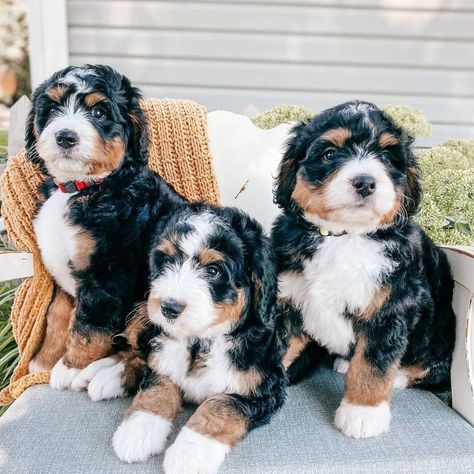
(357, 275)
(98, 208)
(212, 339)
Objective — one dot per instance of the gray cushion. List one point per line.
(46, 431)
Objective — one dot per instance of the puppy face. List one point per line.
(199, 286)
(83, 123)
(349, 169)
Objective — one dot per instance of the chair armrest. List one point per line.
(461, 260)
(14, 265)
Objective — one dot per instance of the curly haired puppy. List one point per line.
(98, 206)
(211, 338)
(357, 276)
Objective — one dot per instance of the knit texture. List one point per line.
(178, 151)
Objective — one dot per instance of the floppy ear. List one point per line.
(137, 145)
(257, 325)
(414, 192)
(286, 178)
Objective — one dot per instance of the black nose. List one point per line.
(66, 138)
(364, 184)
(171, 309)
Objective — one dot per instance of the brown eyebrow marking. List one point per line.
(167, 247)
(387, 139)
(94, 98)
(210, 256)
(56, 93)
(338, 136)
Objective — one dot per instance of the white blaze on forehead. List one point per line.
(203, 226)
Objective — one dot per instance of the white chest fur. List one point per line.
(343, 276)
(217, 375)
(56, 239)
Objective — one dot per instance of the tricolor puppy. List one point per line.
(357, 275)
(98, 207)
(212, 339)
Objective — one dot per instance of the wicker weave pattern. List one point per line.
(178, 151)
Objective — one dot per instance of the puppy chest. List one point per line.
(340, 279)
(57, 239)
(199, 372)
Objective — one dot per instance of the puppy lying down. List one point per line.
(208, 334)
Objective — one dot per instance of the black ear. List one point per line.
(257, 325)
(414, 193)
(286, 178)
(138, 137)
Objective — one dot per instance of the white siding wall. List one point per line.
(230, 54)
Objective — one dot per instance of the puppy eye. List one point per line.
(328, 155)
(213, 271)
(98, 113)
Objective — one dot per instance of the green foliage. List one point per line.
(282, 114)
(413, 121)
(3, 146)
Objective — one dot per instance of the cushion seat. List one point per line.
(47, 431)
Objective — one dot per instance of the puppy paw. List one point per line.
(107, 383)
(361, 421)
(140, 436)
(401, 380)
(341, 365)
(83, 378)
(194, 453)
(62, 376)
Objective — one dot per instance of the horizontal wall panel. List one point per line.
(280, 48)
(298, 19)
(289, 77)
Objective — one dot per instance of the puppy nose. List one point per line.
(66, 138)
(171, 309)
(364, 184)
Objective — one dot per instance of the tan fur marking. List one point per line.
(414, 373)
(167, 247)
(387, 139)
(56, 93)
(392, 214)
(378, 300)
(94, 98)
(85, 247)
(218, 419)
(208, 256)
(136, 325)
(163, 399)
(312, 199)
(107, 156)
(82, 350)
(58, 320)
(231, 311)
(364, 385)
(249, 380)
(153, 305)
(337, 136)
(295, 348)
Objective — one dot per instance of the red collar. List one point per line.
(74, 186)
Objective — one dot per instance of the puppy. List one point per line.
(212, 338)
(98, 206)
(357, 276)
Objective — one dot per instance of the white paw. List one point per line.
(401, 380)
(34, 367)
(107, 383)
(194, 453)
(341, 365)
(140, 436)
(62, 376)
(82, 379)
(361, 421)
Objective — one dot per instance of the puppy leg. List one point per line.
(308, 360)
(148, 421)
(58, 320)
(365, 409)
(201, 446)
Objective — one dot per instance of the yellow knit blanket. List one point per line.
(178, 151)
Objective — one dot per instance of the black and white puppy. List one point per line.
(357, 275)
(211, 338)
(98, 208)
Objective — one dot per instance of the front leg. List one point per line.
(216, 426)
(149, 420)
(365, 409)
